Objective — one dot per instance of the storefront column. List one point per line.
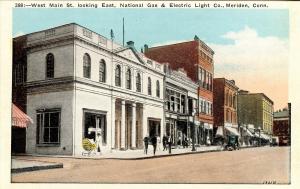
(123, 113)
(113, 122)
(133, 131)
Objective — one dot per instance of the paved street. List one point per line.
(252, 165)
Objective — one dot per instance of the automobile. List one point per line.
(232, 143)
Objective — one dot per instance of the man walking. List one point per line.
(170, 144)
(165, 142)
(154, 143)
(146, 142)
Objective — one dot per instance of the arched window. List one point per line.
(118, 76)
(128, 79)
(50, 65)
(86, 66)
(102, 71)
(149, 86)
(157, 89)
(138, 82)
(226, 98)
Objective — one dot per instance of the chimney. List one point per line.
(243, 92)
(146, 48)
(142, 51)
(130, 44)
(166, 67)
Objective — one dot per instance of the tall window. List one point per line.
(118, 76)
(138, 82)
(128, 79)
(50, 65)
(19, 71)
(48, 126)
(102, 71)
(149, 86)
(86, 66)
(157, 89)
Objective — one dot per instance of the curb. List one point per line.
(36, 168)
(164, 155)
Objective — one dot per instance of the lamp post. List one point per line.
(259, 136)
(193, 139)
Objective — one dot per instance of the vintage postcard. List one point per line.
(149, 92)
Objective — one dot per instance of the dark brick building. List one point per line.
(197, 59)
(225, 106)
(19, 68)
(281, 127)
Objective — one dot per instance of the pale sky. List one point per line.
(251, 46)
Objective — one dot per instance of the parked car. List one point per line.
(232, 143)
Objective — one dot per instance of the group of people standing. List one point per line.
(167, 143)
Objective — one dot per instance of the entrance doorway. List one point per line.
(18, 140)
(95, 122)
(153, 127)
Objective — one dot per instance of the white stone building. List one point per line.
(76, 87)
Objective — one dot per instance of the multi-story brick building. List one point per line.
(197, 59)
(19, 91)
(225, 107)
(281, 127)
(256, 109)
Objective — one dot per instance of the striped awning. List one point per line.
(19, 118)
(233, 131)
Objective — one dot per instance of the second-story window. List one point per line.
(128, 79)
(138, 82)
(102, 71)
(86, 66)
(50, 65)
(157, 89)
(149, 86)
(118, 76)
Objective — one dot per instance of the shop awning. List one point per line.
(220, 131)
(208, 126)
(249, 133)
(264, 136)
(19, 118)
(233, 131)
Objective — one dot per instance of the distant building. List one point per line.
(255, 109)
(282, 128)
(197, 59)
(225, 107)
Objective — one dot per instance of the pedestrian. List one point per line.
(146, 142)
(158, 143)
(98, 141)
(154, 143)
(170, 144)
(165, 142)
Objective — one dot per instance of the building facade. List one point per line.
(256, 109)
(81, 85)
(197, 59)
(281, 127)
(181, 101)
(225, 107)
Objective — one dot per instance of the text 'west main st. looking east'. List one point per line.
(143, 5)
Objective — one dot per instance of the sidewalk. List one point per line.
(139, 154)
(24, 165)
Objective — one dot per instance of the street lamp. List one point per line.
(193, 139)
